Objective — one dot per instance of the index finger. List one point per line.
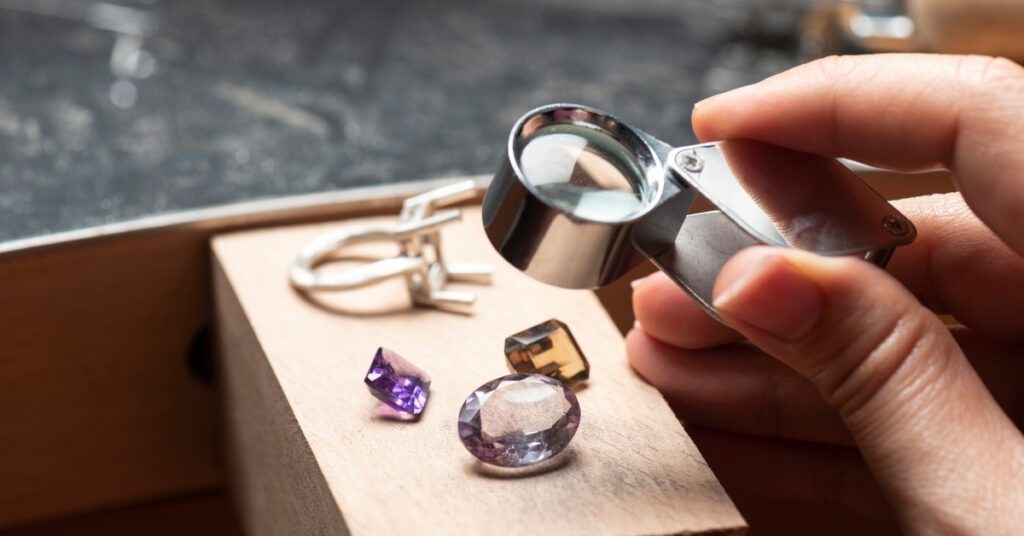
(906, 112)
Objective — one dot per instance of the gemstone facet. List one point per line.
(549, 349)
(398, 383)
(518, 420)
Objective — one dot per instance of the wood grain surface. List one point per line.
(309, 456)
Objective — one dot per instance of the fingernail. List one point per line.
(636, 325)
(732, 92)
(636, 283)
(704, 101)
(761, 288)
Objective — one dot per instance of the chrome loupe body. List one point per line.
(542, 234)
(581, 199)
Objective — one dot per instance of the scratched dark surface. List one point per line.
(105, 118)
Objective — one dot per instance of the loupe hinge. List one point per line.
(419, 261)
(879, 257)
(896, 225)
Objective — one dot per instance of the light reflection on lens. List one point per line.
(583, 171)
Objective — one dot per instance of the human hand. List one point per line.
(835, 384)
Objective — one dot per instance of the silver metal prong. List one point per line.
(414, 228)
(450, 300)
(453, 297)
(470, 272)
(419, 261)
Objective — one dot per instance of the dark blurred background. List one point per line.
(110, 112)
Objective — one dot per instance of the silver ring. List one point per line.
(417, 233)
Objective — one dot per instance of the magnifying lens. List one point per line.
(582, 198)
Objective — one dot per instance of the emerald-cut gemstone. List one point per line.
(549, 349)
(398, 383)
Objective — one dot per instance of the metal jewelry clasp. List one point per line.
(420, 261)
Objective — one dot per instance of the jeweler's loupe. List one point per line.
(582, 198)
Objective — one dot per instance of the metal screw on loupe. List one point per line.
(896, 226)
(690, 161)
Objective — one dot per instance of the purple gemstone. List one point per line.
(518, 420)
(398, 383)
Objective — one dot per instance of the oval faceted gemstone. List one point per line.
(518, 420)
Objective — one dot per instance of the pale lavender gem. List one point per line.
(518, 420)
(398, 383)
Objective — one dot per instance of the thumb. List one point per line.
(924, 422)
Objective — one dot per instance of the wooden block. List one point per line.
(307, 455)
(197, 514)
(97, 403)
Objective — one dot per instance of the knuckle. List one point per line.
(835, 67)
(1003, 71)
(991, 74)
(828, 65)
(895, 351)
(845, 65)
